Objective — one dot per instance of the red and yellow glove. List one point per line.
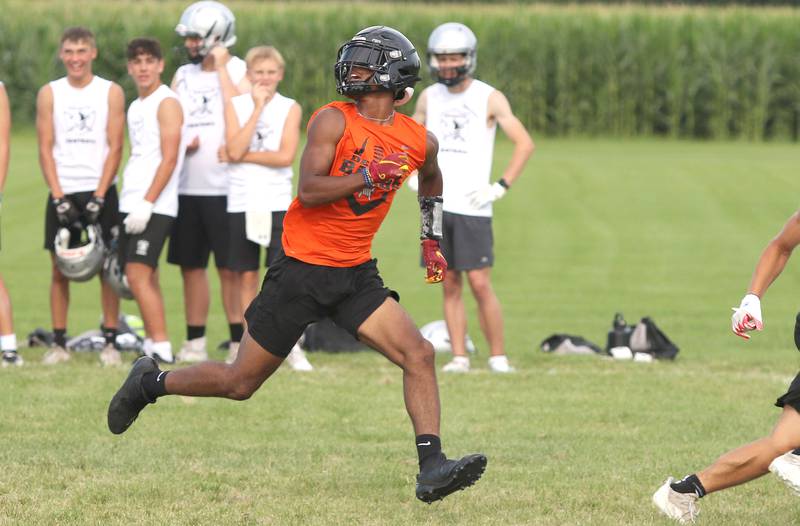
(388, 173)
(435, 264)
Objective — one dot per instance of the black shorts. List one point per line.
(200, 228)
(109, 217)
(467, 241)
(295, 294)
(145, 247)
(792, 396)
(244, 255)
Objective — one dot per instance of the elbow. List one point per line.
(529, 147)
(234, 155)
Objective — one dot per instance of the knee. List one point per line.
(58, 277)
(240, 388)
(422, 356)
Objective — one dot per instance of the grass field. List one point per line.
(666, 229)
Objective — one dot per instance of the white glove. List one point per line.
(486, 195)
(137, 220)
(747, 317)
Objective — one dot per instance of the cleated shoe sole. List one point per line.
(463, 474)
(130, 399)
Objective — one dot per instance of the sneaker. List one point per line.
(459, 364)
(448, 476)
(12, 358)
(131, 398)
(159, 351)
(56, 354)
(233, 352)
(787, 468)
(499, 364)
(110, 356)
(297, 360)
(679, 506)
(193, 351)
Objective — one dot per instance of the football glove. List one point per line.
(747, 317)
(137, 220)
(486, 195)
(66, 212)
(93, 209)
(435, 264)
(388, 173)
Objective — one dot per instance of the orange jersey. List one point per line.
(339, 234)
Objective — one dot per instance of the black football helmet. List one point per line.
(386, 52)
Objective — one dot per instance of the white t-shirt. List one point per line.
(80, 125)
(255, 187)
(466, 143)
(146, 156)
(201, 95)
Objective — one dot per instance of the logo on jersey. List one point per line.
(135, 129)
(80, 119)
(200, 102)
(364, 200)
(260, 138)
(454, 123)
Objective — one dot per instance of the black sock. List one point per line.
(429, 447)
(689, 484)
(237, 330)
(154, 384)
(195, 331)
(60, 337)
(110, 334)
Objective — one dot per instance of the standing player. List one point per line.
(80, 120)
(8, 340)
(201, 227)
(357, 156)
(463, 113)
(149, 199)
(779, 451)
(262, 130)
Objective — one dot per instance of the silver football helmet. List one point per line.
(452, 38)
(84, 261)
(436, 333)
(210, 21)
(114, 274)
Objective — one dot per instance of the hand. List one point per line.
(747, 317)
(221, 56)
(487, 194)
(193, 146)
(93, 209)
(261, 94)
(388, 173)
(435, 264)
(222, 154)
(67, 214)
(137, 220)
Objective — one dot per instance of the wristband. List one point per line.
(430, 209)
(502, 182)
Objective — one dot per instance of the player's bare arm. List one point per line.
(115, 131)
(421, 110)
(220, 57)
(170, 121)
(315, 185)
(289, 142)
(5, 135)
(500, 110)
(775, 256)
(430, 176)
(45, 133)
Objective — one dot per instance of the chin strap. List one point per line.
(430, 209)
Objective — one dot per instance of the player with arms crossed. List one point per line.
(357, 156)
(778, 452)
(464, 113)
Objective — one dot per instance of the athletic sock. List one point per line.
(8, 343)
(429, 447)
(110, 334)
(689, 484)
(236, 330)
(60, 337)
(195, 331)
(154, 384)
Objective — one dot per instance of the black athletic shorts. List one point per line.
(200, 228)
(109, 217)
(244, 255)
(145, 247)
(467, 241)
(295, 294)
(792, 396)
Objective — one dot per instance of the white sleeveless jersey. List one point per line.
(80, 121)
(466, 144)
(145, 136)
(255, 187)
(201, 95)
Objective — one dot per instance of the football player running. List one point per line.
(262, 131)
(149, 198)
(779, 451)
(8, 339)
(464, 113)
(201, 227)
(357, 155)
(80, 120)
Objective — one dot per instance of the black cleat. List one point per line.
(130, 399)
(449, 476)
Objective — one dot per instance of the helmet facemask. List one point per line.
(462, 71)
(212, 23)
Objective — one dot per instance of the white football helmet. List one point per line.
(83, 262)
(452, 38)
(436, 333)
(114, 275)
(210, 21)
